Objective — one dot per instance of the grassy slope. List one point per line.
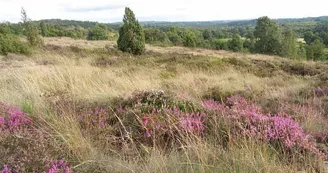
(84, 73)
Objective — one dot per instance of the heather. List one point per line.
(24, 147)
(76, 106)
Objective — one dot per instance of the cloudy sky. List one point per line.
(161, 10)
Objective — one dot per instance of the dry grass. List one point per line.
(52, 75)
(86, 82)
(64, 42)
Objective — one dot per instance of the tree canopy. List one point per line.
(268, 36)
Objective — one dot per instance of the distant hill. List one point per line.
(233, 23)
(163, 24)
(68, 23)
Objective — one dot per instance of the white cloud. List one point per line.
(168, 10)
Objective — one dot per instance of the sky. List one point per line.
(161, 10)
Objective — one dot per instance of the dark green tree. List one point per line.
(301, 50)
(189, 39)
(44, 29)
(289, 45)
(99, 32)
(249, 43)
(131, 34)
(268, 36)
(207, 34)
(153, 35)
(310, 37)
(4, 28)
(220, 44)
(236, 43)
(174, 36)
(315, 50)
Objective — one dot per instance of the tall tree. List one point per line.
(32, 33)
(189, 38)
(131, 34)
(268, 36)
(249, 43)
(315, 50)
(289, 45)
(236, 44)
(44, 29)
(207, 34)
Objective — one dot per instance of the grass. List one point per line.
(66, 77)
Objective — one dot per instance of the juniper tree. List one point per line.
(131, 34)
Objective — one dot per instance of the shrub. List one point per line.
(315, 50)
(12, 44)
(174, 122)
(24, 147)
(99, 32)
(245, 119)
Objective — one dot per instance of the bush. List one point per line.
(12, 44)
(247, 120)
(99, 32)
(24, 147)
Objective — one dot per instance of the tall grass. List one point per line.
(82, 100)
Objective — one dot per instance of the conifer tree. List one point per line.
(131, 34)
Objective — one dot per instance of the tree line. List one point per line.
(266, 37)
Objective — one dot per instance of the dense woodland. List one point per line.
(294, 38)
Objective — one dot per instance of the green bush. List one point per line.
(12, 44)
(99, 32)
(315, 50)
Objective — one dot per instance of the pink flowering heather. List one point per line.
(248, 120)
(119, 110)
(94, 118)
(24, 147)
(59, 166)
(12, 118)
(189, 122)
(5, 169)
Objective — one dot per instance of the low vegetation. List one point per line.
(91, 109)
(103, 106)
